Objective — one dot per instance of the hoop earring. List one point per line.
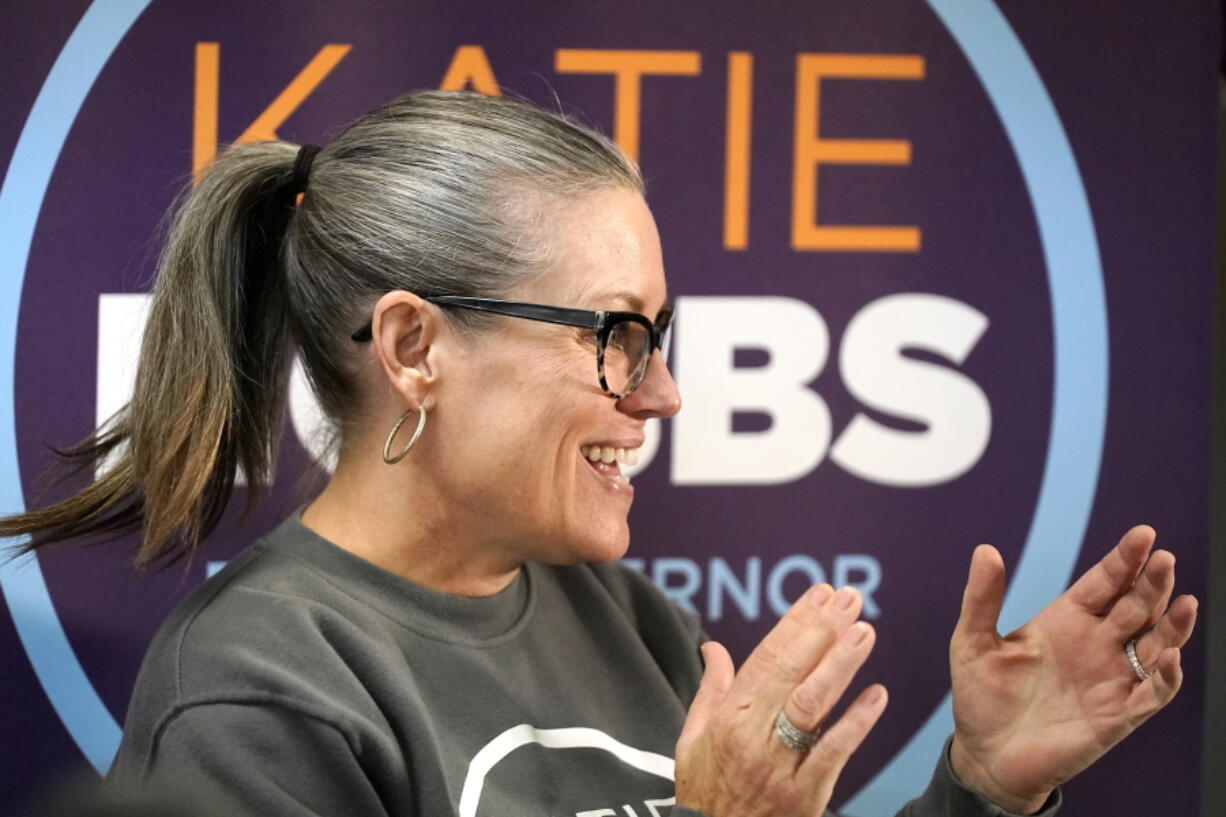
(387, 446)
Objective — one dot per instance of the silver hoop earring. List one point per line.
(387, 446)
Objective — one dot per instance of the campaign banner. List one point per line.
(943, 273)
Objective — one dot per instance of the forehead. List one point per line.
(604, 253)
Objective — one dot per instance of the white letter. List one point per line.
(121, 324)
(709, 331)
(308, 420)
(745, 596)
(792, 564)
(953, 407)
(870, 567)
(647, 452)
(691, 578)
(121, 328)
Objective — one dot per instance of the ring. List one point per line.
(1130, 649)
(792, 737)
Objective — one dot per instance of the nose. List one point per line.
(656, 396)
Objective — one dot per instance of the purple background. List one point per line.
(1135, 87)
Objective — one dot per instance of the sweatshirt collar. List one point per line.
(465, 620)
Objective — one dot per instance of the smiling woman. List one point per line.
(434, 630)
(501, 478)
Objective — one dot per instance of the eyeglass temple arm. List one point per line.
(537, 312)
(549, 314)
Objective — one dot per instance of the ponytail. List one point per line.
(210, 386)
(425, 194)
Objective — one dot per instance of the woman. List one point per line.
(476, 290)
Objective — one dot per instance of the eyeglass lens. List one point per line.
(625, 356)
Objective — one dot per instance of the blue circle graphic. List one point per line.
(38, 148)
(1079, 405)
(1079, 326)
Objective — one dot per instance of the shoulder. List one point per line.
(671, 634)
(271, 635)
(263, 756)
(267, 623)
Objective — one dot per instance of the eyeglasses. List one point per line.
(624, 340)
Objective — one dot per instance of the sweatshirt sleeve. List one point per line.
(682, 811)
(946, 796)
(255, 759)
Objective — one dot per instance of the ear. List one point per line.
(405, 331)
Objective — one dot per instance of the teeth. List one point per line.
(607, 454)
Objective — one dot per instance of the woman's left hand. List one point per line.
(1037, 706)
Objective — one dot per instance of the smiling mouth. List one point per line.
(607, 461)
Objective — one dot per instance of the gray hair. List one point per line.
(434, 192)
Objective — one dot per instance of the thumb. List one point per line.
(984, 594)
(716, 680)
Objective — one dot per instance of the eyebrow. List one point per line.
(634, 301)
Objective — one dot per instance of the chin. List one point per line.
(609, 548)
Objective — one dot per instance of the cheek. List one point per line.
(560, 411)
(530, 420)
(513, 434)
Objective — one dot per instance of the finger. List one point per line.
(1102, 584)
(984, 594)
(822, 765)
(792, 648)
(1137, 609)
(812, 700)
(717, 676)
(1172, 630)
(1157, 691)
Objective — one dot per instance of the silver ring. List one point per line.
(792, 737)
(1130, 649)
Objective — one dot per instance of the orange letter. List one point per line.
(468, 67)
(628, 67)
(204, 128)
(736, 151)
(208, 61)
(810, 151)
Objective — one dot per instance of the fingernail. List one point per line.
(859, 632)
(874, 695)
(844, 598)
(819, 594)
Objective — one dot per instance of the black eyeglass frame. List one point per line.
(601, 322)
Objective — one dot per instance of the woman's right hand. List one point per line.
(730, 762)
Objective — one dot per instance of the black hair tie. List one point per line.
(302, 167)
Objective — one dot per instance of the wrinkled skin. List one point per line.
(1037, 706)
(1032, 708)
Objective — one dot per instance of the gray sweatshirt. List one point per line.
(303, 680)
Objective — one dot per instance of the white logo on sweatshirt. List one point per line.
(578, 737)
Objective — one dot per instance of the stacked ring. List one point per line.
(792, 737)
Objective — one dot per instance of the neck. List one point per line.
(391, 516)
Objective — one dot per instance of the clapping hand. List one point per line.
(1035, 707)
(735, 759)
